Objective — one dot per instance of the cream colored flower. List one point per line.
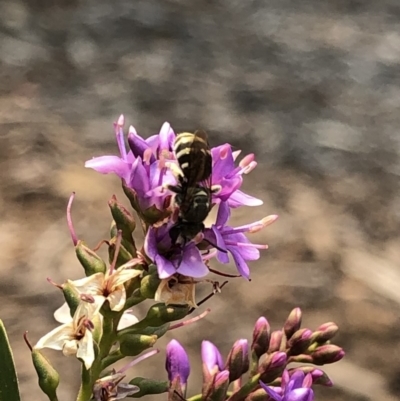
(75, 337)
(177, 290)
(62, 315)
(108, 286)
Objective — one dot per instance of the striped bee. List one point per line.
(194, 190)
(194, 157)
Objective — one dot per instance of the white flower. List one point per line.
(62, 315)
(176, 290)
(108, 286)
(75, 337)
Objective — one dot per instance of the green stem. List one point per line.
(90, 376)
(110, 359)
(246, 389)
(196, 397)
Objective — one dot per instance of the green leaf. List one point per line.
(9, 390)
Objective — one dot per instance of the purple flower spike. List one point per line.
(212, 358)
(177, 362)
(294, 388)
(234, 241)
(186, 261)
(229, 176)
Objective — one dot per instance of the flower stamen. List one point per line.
(119, 133)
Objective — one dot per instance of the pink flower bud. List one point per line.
(261, 336)
(293, 322)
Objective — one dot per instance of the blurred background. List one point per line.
(311, 87)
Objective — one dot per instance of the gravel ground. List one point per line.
(312, 88)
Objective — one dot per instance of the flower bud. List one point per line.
(47, 375)
(124, 256)
(72, 297)
(177, 365)
(151, 215)
(134, 299)
(148, 386)
(217, 388)
(90, 261)
(325, 332)
(277, 341)
(301, 358)
(261, 337)
(318, 376)
(272, 366)
(149, 285)
(293, 322)
(212, 359)
(238, 360)
(327, 354)
(160, 314)
(134, 344)
(299, 342)
(123, 219)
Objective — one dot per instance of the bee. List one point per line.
(194, 157)
(193, 194)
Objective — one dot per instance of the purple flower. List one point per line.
(234, 241)
(143, 167)
(229, 176)
(294, 388)
(171, 259)
(177, 362)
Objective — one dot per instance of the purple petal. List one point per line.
(177, 362)
(138, 178)
(241, 265)
(296, 379)
(137, 144)
(300, 394)
(192, 264)
(150, 244)
(239, 198)
(166, 136)
(222, 167)
(229, 186)
(110, 164)
(247, 252)
(308, 379)
(222, 257)
(223, 214)
(153, 142)
(211, 356)
(165, 267)
(273, 394)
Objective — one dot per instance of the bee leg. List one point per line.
(215, 189)
(175, 169)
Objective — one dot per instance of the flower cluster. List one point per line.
(146, 176)
(265, 362)
(99, 322)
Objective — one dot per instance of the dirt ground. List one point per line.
(312, 88)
